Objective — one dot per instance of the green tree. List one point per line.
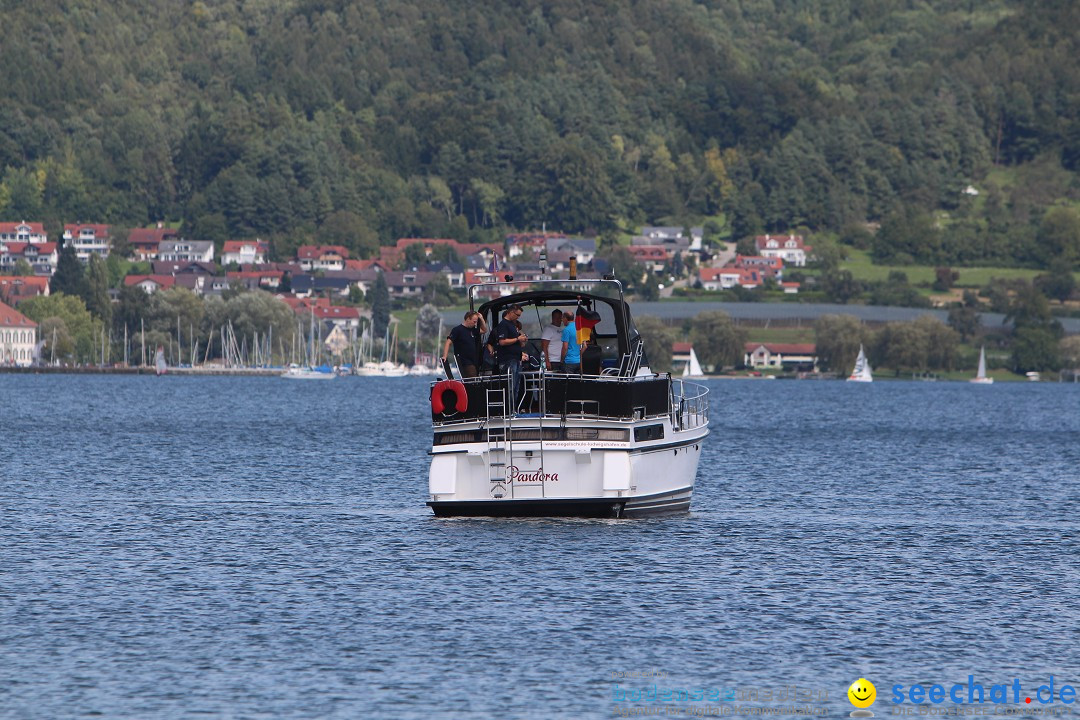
(658, 339)
(1035, 349)
(1059, 236)
(80, 325)
(837, 339)
(380, 306)
(746, 246)
(58, 347)
(414, 256)
(717, 341)
(1059, 284)
(429, 320)
(97, 290)
(23, 268)
(69, 277)
(438, 291)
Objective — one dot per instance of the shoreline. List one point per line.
(211, 371)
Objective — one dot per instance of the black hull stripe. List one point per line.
(657, 503)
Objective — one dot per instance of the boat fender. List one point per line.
(461, 398)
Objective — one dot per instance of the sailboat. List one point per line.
(160, 366)
(861, 373)
(693, 367)
(310, 372)
(980, 377)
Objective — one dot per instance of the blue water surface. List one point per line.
(256, 548)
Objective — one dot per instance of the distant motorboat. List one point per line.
(980, 377)
(295, 372)
(1033, 376)
(693, 367)
(861, 373)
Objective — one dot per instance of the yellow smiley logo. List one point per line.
(862, 693)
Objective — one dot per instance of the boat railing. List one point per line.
(689, 404)
(549, 394)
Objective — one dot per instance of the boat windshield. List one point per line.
(600, 301)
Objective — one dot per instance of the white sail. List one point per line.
(861, 373)
(693, 367)
(160, 366)
(980, 377)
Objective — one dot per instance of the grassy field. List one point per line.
(862, 268)
(781, 335)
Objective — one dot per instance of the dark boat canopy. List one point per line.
(614, 325)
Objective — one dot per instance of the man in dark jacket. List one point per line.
(466, 341)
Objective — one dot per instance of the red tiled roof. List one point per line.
(681, 348)
(20, 248)
(151, 235)
(9, 227)
(165, 281)
(314, 252)
(648, 252)
(336, 312)
(99, 230)
(235, 246)
(254, 274)
(10, 317)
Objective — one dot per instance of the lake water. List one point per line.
(250, 547)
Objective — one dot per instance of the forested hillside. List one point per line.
(361, 122)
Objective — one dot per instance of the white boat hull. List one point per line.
(579, 478)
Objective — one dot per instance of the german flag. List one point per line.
(585, 322)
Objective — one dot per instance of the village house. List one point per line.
(789, 248)
(173, 267)
(559, 251)
(14, 289)
(88, 240)
(22, 232)
(518, 243)
(770, 267)
(186, 250)
(256, 279)
(313, 258)
(652, 257)
(788, 356)
(145, 242)
(244, 252)
(726, 278)
(670, 236)
(18, 337)
(150, 283)
(42, 257)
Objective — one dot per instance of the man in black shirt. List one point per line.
(508, 343)
(466, 341)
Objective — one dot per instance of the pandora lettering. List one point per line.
(517, 476)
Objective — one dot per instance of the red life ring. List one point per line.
(461, 398)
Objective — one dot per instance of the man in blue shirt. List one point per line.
(571, 354)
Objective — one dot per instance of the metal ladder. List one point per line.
(500, 441)
(536, 391)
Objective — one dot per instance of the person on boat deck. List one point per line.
(508, 343)
(466, 341)
(571, 350)
(551, 342)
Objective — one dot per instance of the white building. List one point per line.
(186, 250)
(22, 232)
(243, 252)
(789, 248)
(88, 240)
(18, 337)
